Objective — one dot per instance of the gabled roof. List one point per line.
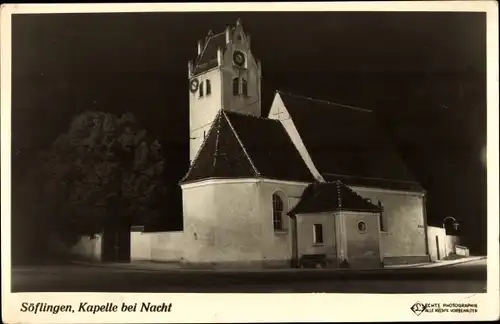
(346, 142)
(208, 56)
(329, 197)
(244, 146)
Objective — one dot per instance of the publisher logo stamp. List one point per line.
(418, 308)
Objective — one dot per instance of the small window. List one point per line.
(244, 87)
(209, 87)
(361, 227)
(277, 212)
(201, 89)
(318, 233)
(236, 86)
(382, 216)
(205, 132)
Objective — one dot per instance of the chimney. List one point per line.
(200, 47)
(219, 56)
(190, 68)
(228, 35)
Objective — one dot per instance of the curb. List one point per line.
(464, 261)
(128, 266)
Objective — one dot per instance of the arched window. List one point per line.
(209, 87)
(201, 89)
(236, 86)
(277, 212)
(244, 87)
(382, 220)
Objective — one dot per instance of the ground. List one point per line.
(469, 277)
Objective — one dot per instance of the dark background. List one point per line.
(423, 73)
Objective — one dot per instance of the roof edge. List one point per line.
(200, 148)
(241, 143)
(324, 101)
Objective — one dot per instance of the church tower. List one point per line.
(225, 75)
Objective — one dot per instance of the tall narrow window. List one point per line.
(209, 87)
(244, 87)
(201, 89)
(318, 233)
(205, 132)
(382, 220)
(277, 212)
(236, 86)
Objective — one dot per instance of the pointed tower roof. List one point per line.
(207, 59)
(208, 56)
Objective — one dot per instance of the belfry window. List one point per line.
(244, 87)
(201, 89)
(209, 87)
(277, 212)
(236, 86)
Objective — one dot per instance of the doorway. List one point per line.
(116, 242)
(437, 248)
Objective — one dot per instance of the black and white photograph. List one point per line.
(249, 151)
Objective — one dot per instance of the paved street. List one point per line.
(467, 277)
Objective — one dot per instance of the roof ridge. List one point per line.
(241, 143)
(371, 178)
(205, 45)
(340, 183)
(324, 101)
(248, 115)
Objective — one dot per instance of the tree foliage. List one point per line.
(105, 167)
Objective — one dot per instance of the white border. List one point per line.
(256, 307)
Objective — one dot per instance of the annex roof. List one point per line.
(330, 197)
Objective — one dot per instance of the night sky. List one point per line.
(424, 74)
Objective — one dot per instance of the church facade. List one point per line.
(312, 183)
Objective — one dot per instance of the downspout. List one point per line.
(336, 240)
(424, 208)
(295, 243)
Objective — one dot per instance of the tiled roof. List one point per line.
(331, 196)
(379, 183)
(208, 57)
(347, 142)
(243, 146)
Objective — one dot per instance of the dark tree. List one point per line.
(105, 167)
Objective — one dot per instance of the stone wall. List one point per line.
(440, 244)
(362, 246)
(157, 246)
(222, 228)
(404, 221)
(305, 238)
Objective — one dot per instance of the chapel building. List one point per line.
(312, 180)
(312, 183)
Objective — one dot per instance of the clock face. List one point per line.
(239, 58)
(193, 86)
